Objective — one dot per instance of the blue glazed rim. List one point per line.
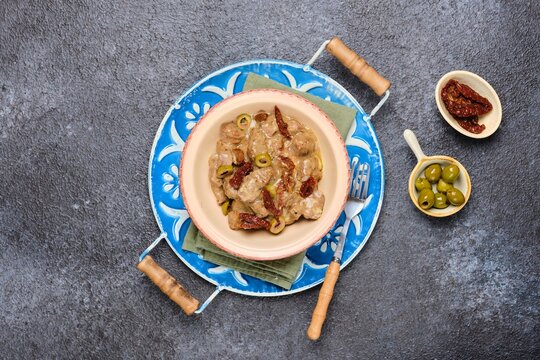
(344, 92)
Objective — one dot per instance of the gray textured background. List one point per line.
(84, 85)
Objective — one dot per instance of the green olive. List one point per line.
(271, 188)
(426, 199)
(319, 161)
(277, 225)
(263, 160)
(422, 183)
(443, 186)
(243, 121)
(224, 170)
(440, 201)
(450, 174)
(433, 173)
(455, 197)
(225, 207)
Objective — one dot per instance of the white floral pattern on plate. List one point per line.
(196, 114)
(171, 181)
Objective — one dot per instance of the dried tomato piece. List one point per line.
(286, 179)
(471, 124)
(239, 174)
(287, 162)
(462, 101)
(483, 104)
(282, 125)
(308, 187)
(269, 203)
(252, 222)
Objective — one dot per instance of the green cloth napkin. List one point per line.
(280, 272)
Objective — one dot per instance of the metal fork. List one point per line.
(356, 202)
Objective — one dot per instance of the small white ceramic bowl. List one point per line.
(201, 203)
(462, 183)
(491, 120)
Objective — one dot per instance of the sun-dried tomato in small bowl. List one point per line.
(469, 104)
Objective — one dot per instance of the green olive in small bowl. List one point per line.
(454, 183)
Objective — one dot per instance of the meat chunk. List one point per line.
(222, 146)
(215, 161)
(312, 206)
(257, 143)
(303, 143)
(234, 220)
(274, 145)
(308, 166)
(277, 171)
(239, 206)
(292, 209)
(269, 128)
(294, 127)
(253, 183)
(259, 208)
(230, 133)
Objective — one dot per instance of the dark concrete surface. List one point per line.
(84, 86)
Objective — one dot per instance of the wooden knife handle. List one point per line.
(358, 66)
(168, 285)
(325, 296)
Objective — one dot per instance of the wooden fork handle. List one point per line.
(168, 284)
(325, 296)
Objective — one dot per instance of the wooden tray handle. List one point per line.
(325, 296)
(358, 66)
(168, 284)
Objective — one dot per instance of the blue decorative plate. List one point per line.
(166, 198)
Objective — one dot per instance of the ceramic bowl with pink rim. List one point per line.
(201, 203)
